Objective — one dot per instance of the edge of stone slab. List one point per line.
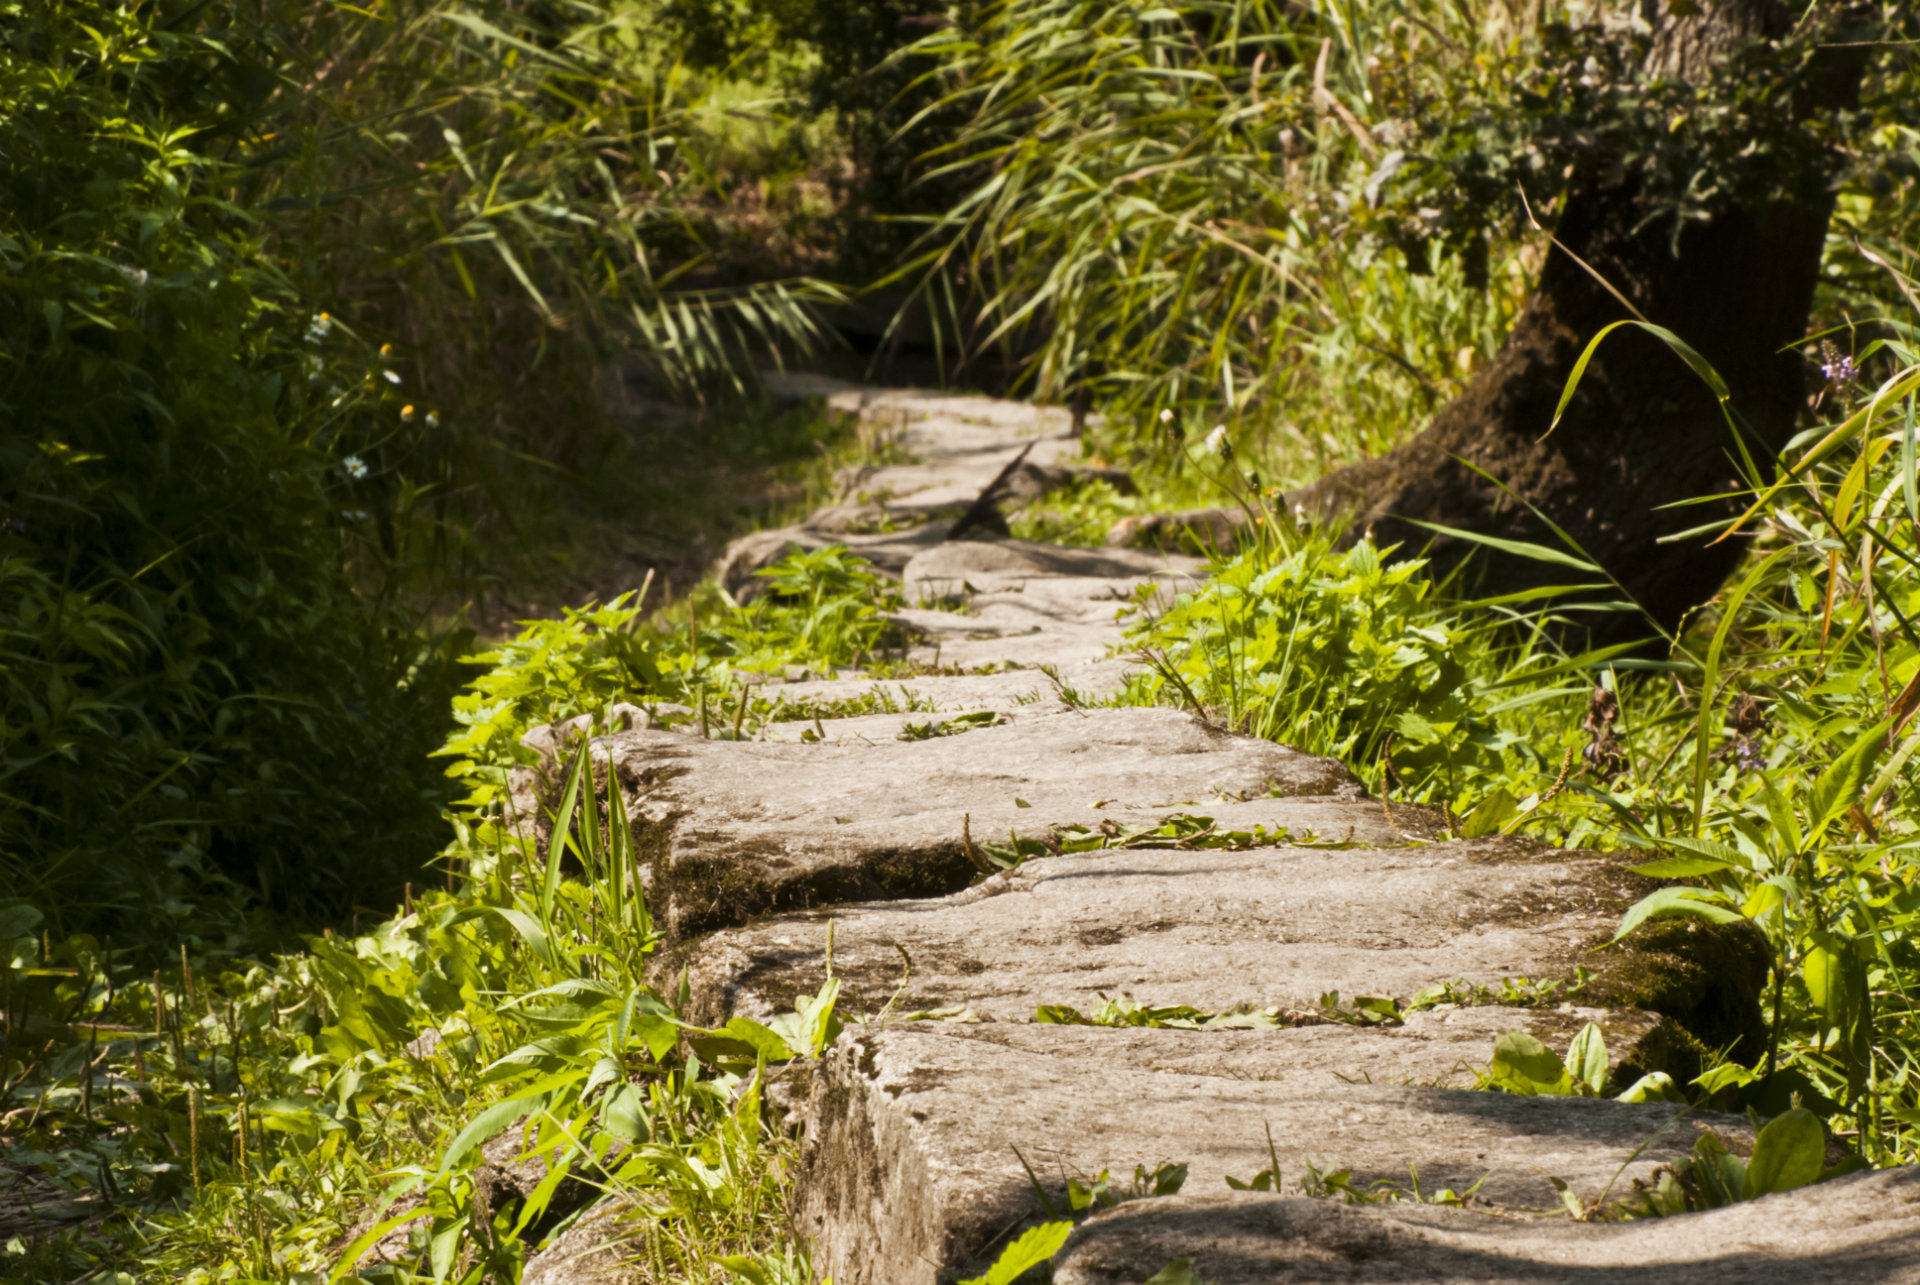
(902, 1179)
(1863, 1229)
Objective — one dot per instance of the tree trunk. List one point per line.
(1643, 431)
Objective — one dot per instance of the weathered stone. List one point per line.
(731, 829)
(1031, 604)
(1859, 1230)
(961, 567)
(1221, 930)
(599, 1249)
(1018, 688)
(915, 1169)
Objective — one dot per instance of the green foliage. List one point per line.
(823, 608)
(1334, 654)
(1789, 1152)
(1029, 1250)
(819, 609)
(218, 1098)
(206, 684)
(554, 670)
(1523, 1065)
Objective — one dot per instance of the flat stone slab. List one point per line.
(1020, 688)
(1226, 930)
(920, 1146)
(732, 829)
(1863, 1229)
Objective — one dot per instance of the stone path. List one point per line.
(1163, 861)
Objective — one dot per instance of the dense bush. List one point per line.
(195, 688)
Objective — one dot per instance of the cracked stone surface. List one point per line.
(1219, 930)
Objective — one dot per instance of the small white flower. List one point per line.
(433, 419)
(406, 414)
(1166, 416)
(355, 515)
(393, 376)
(137, 277)
(317, 328)
(1217, 440)
(356, 468)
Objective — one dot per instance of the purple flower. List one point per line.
(1839, 369)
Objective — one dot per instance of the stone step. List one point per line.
(732, 829)
(924, 1146)
(1863, 1229)
(1255, 929)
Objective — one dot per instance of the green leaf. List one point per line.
(744, 1268)
(1492, 812)
(1178, 1272)
(1835, 975)
(623, 1113)
(1655, 1086)
(443, 1244)
(495, 1119)
(1788, 1154)
(1838, 788)
(764, 1042)
(1587, 1058)
(1518, 548)
(1667, 902)
(562, 831)
(372, 1236)
(1035, 1246)
(1522, 1064)
(1679, 867)
(1720, 1176)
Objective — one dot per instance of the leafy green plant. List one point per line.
(1345, 655)
(1523, 1065)
(1029, 1250)
(212, 695)
(1789, 1152)
(819, 609)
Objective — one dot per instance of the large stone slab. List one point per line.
(1863, 1229)
(1260, 928)
(923, 1146)
(732, 829)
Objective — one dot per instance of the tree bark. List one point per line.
(1643, 431)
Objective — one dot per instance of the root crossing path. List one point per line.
(1193, 991)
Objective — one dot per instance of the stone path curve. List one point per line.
(852, 836)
